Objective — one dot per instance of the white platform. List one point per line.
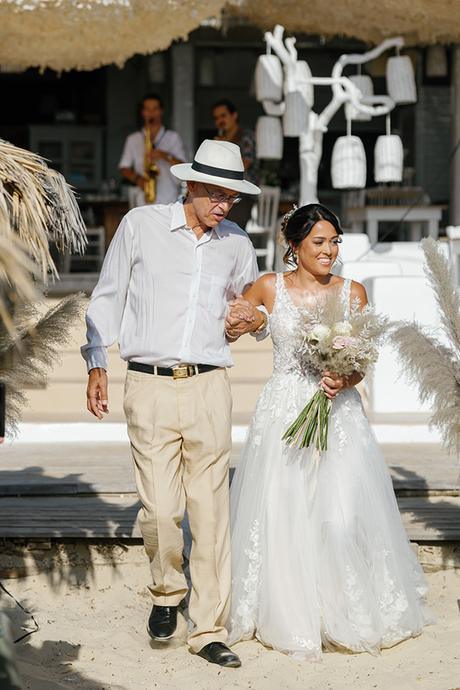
(107, 432)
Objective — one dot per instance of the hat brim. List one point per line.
(185, 172)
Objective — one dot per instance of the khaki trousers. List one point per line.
(180, 433)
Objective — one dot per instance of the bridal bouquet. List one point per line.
(331, 340)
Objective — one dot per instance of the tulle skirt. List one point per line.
(320, 559)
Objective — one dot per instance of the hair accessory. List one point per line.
(287, 216)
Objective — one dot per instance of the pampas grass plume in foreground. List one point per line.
(431, 365)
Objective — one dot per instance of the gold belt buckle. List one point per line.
(183, 371)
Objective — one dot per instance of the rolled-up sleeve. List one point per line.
(107, 304)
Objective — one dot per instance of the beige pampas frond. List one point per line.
(440, 275)
(37, 205)
(432, 366)
(27, 357)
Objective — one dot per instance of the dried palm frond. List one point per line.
(16, 271)
(431, 365)
(27, 357)
(37, 204)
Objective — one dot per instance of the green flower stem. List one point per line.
(311, 427)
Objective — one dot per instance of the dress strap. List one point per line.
(280, 289)
(280, 286)
(346, 294)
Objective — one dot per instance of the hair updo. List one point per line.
(297, 225)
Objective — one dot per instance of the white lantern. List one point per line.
(296, 114)
(401, 79)
(303, 77)
(269, 78)
(366, 86)
(269, 138)
(348, 164)
(388, 158)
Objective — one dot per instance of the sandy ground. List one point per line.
(92, 636)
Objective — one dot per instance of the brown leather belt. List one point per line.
(181, 371)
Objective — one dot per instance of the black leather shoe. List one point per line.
(218, 653)
(162, 622)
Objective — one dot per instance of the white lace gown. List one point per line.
(320, 559)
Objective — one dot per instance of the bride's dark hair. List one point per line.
(296, 226)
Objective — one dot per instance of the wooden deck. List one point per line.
(86, 491)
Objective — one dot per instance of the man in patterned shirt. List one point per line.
(228, 128)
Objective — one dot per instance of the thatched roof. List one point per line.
(85, 34)
(419, 21)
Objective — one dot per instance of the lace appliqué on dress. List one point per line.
(245, 607)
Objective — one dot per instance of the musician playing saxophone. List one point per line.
(166, 150)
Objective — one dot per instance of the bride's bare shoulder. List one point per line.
(358, 290)
(267, 282)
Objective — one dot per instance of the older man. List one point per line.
(163, 292)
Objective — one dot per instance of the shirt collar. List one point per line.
(178, 220)
(178, 216)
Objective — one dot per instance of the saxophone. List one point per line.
(151, 170)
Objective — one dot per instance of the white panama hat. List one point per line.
(218, 163)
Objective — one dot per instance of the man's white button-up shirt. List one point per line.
(163, 293)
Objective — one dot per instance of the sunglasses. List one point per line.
(220, 197)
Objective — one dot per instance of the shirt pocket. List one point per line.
(217, 297)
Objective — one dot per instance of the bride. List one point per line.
(320, 559)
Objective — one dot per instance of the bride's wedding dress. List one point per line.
(320, 558)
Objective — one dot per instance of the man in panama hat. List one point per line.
(163, 291)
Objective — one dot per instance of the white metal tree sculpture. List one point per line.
(285, 86)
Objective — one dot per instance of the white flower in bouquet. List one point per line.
(337, 342)
(318, 333)
(343, 328)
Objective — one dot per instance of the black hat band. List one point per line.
(217, 172)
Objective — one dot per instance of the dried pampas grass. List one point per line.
(432, 366)
(27, 356)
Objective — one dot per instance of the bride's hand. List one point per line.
(332, 384)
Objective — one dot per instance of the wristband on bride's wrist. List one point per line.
(230, 338)
(263, 325)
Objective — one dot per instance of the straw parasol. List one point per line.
(418, 21)
(86, 34)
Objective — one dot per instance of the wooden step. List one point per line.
(114, 517)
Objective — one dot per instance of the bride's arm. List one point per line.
(244, 308)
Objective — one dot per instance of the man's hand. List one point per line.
(242, 318)
(96, 393)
